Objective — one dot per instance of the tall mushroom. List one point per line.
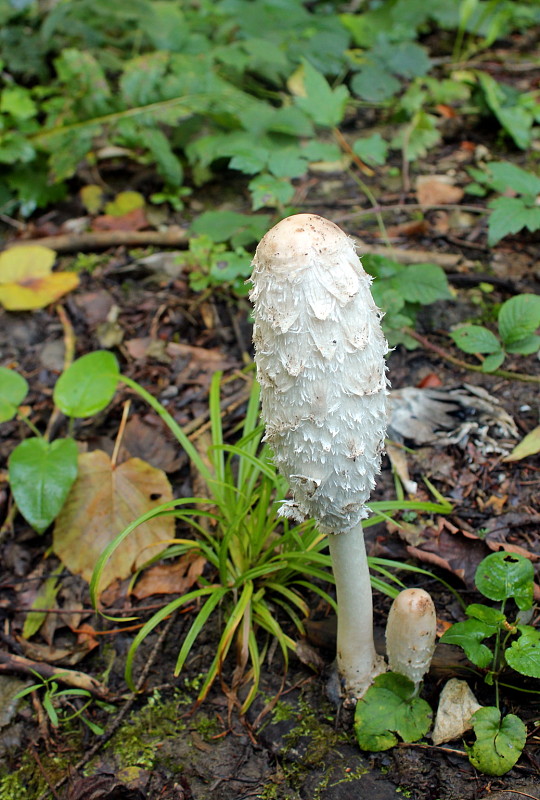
(320, 362)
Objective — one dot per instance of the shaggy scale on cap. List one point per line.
(320, 362)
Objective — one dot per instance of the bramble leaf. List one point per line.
(475, 339)
(324, 105)
(510, 215)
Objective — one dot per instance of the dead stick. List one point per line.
(444, 260)
(71, 677)
(497, 373)
(102, 240)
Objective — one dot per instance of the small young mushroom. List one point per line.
(410, 634)
(320, 362)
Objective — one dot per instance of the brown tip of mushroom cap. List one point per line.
(294, 241)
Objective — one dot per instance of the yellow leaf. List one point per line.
(37, 292)
(27, 280)
(92, 197)
(102, 502)
(529, 446)
(22, 262)
(123, 203)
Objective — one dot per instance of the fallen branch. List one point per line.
(102, 240)
(444, 260)
(497, 373)
(71, 677)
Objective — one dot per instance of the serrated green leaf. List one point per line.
(389, 707)
(416, 138)
(167, 163)
(41, 475)
(511, 215)
(475, 339)
(17, 101)
(524, 654)
(526, 346)
(505, 175)
(372, 149)
(324, 105)
(374, 84)
(519, 317)
(222, 226)
(88, 385)
(493, 361)
(498, 742)
(423, 283)
(501, 576)
(288, 162)
(13, 390)
(469, 635)
(407, 59)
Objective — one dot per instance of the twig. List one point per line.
(445, 260)
(126, 708)
(102, 240)
(497, 373)
(71, 677)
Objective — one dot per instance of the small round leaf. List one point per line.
(519, 317)
(524, 654)
(503, 575)
(498, 742)
(13, 390)
(88, 385)
(41, 474)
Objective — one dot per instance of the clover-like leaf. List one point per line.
(499, 742)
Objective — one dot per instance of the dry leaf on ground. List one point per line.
(103, 501)
(177, 578)
(437, 190)
(27, 280)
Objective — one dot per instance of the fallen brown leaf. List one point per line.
(103, 501)
(436, 190)
(177, 578)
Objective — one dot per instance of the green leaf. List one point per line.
(486, 614)
(510, 215)
(519, 317)
(493, 361)
(529, 445)
(498, 742)
(389, 707)
(222, 226)
(407, 59)
(503, 575)
(526, 346)
(423, 283)
(88, 385)
(267, 190)
(41, 475)
(18, 102)
(324, 105)
(524, 654)
(475, 339)
(468, 635)
(416, 138)
(375, 84)
(13, 390)
(288, 162)
(506, 176)
(372, 149)
(45, 598)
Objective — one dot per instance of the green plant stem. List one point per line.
(30, 424)
(173, 426)
(497, 373)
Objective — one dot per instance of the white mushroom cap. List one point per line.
(320, 359)
(410, 634)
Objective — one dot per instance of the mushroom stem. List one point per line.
(357, 661)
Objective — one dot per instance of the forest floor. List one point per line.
(171, 340)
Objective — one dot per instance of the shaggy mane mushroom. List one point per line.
(320, 362)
